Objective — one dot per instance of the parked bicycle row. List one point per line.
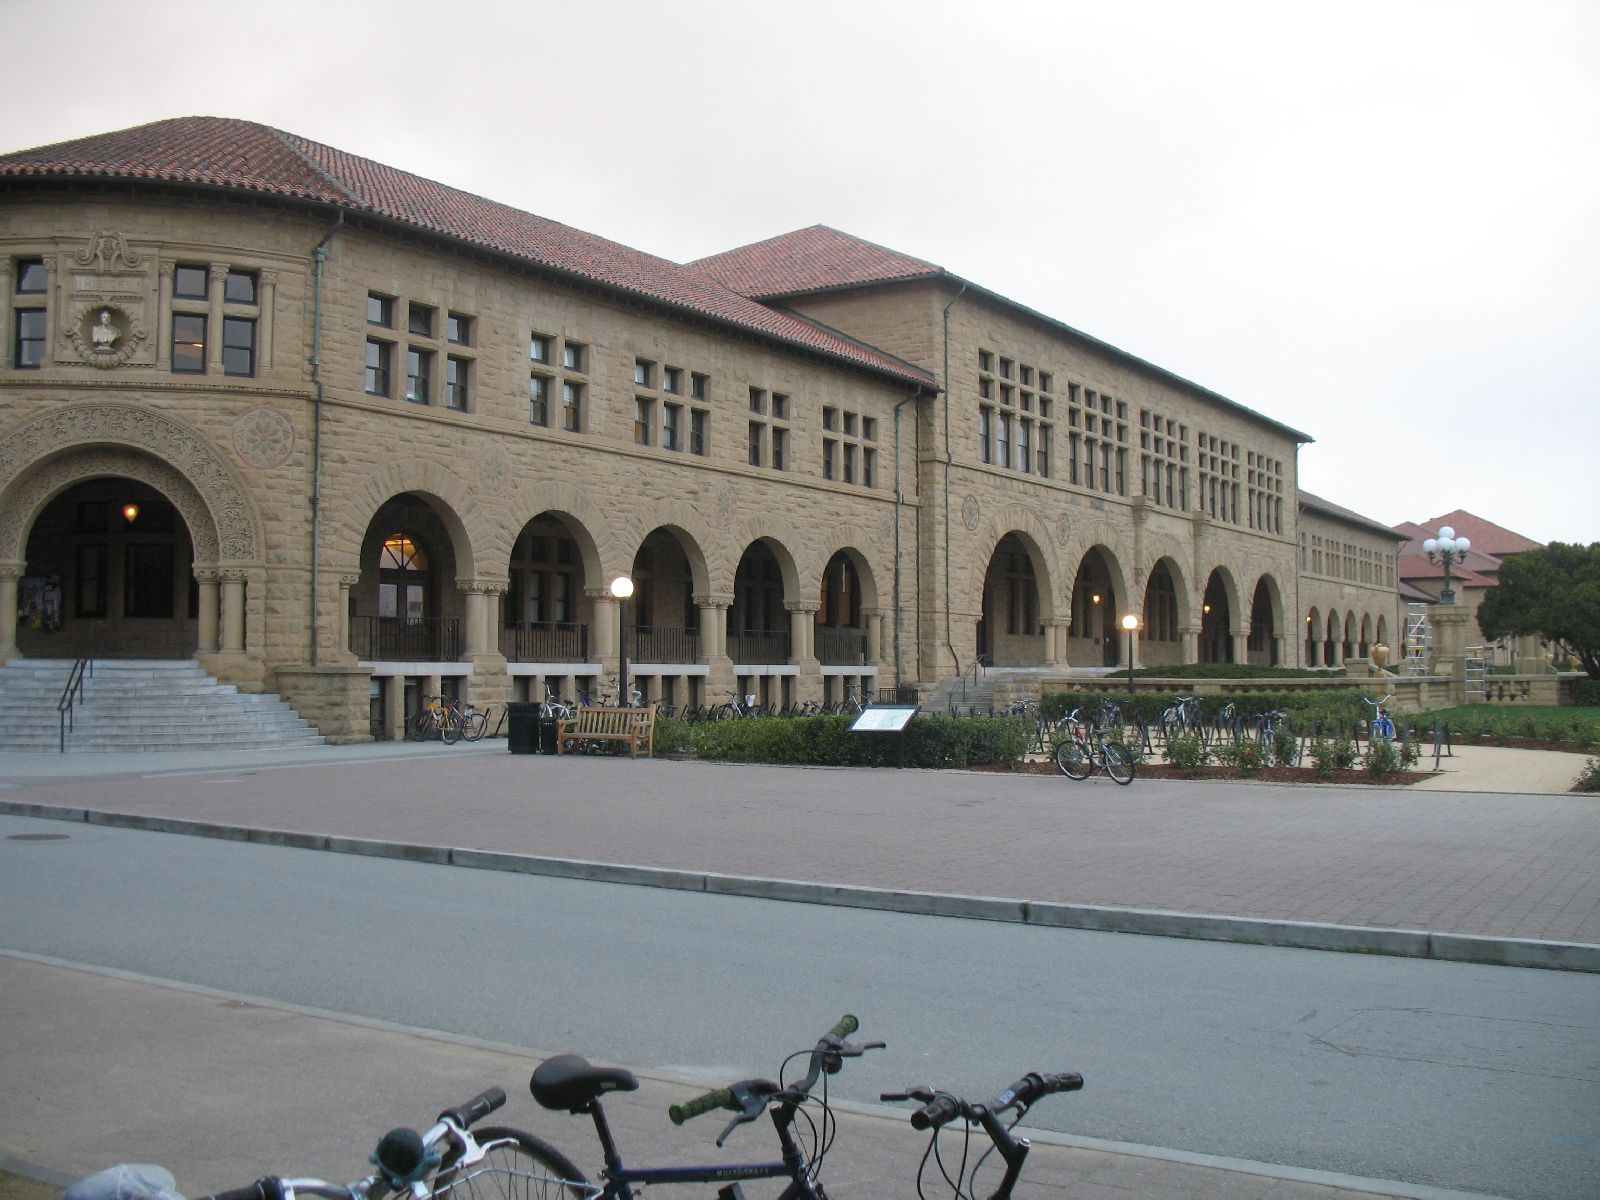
(464, 1160)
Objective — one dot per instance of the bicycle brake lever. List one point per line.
(923, 1093)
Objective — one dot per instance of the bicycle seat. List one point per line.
(567, 1082)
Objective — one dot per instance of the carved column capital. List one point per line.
(217, 273)
(802, 606)
(12, 570)
(233, 574)
(483, 587)
(166, 270)
(207, 575)
(349, 581)
(713, 600)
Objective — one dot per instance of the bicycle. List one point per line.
(428, 721)
(1267, 727)
(567, 1083)
(1380, 724)
(1183, 716)
(449, 1160)
(555, 706)
(462, 722)
(1083, 747)
(940, 1108)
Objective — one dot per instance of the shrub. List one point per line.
(1589, 693)
(1284, 745)
(1187, 752)
(1332, 754)
(1589, 780)
(1133, 747)
(1249, 755)
(1383, 758)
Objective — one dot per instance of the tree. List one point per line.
(1553, 592)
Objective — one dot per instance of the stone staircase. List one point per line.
(949, 695)
(143, 704)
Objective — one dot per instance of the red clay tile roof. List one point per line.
(1329, 508)
(245, 156)
(818, 259)
(1484, 535)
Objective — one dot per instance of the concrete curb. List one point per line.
(1306, 935)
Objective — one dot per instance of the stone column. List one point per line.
(341, 621)
(877, 652)
(163, 319)
(1190, 637)
(1449, 622)
(8, 327)
(1241, 645)
(1055, 635)
(603, 622)
(394, 707)
(269, 289)
(218, 277)
(9, 574)
(208, 578)
(713, 625)
(802, 629)
(233, 580)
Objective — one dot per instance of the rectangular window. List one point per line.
(830, 418)
(672, 427)
(29, 347)
(850, 424)
(189, 343)
(1025, 446)
(538, 400)
(830, 452)
(780, 445)
(698, 385)
(1002, 441)
(238, 346)
(240, 287)
(869, 429)
(380, 309)
(148, 581)
(189, 282)
(89, 587)
(572, 407)
(1041, 454)
(756, 430)
(849, 462)
(869, 467)
(642, 373)
(780, 406)
(539, 348)
(419, 375)
(699, 420)
(671, 380)
(420, 319)
(458, 329)
(377, 368)
(758, 400)
(572, 356)
(643, 420)
(457, 382)
(32, 278)
(985, 420)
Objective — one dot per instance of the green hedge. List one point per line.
(1588, 695)
(1492, 723)
(931, 741)
(1230, 671)
(1303, 707)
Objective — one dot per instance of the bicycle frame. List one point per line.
(620, 1178)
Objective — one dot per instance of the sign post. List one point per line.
(887, 718)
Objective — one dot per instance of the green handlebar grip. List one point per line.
(700, 1104)
(846, 1026)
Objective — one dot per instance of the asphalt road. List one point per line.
(1477, 1078)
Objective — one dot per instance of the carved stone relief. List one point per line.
(263, 437)
(106, 249)
(90, 428)
(104, 335)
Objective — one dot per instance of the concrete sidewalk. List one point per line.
(222, 1090)
(1475, 876)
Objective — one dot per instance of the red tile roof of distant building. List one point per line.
(248, 157)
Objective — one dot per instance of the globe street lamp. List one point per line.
(1448, 549)
(1130, 623)
(622, 588)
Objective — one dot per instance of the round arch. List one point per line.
(1313, 638)
(443, 492)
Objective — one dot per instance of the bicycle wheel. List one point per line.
(1071, 759)
(475, 725)
(1118, 765)
(515, 1166)
(450, 728)
(421, 727)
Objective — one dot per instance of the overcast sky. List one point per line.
(1377, 222)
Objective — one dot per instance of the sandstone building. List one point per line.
(355, 436)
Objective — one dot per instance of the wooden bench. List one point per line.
(631, 725)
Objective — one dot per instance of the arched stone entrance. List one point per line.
(213, 521)
(1009, 632)
(1093, 639)
(1216, 621)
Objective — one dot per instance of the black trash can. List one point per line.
(547, 732)
(522, 727)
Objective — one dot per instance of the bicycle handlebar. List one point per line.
(940, 1108)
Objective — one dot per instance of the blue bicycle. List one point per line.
(1381, 724)
(567, 1083)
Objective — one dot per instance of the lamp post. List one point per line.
(1448, 549)
(1130, 623)
(621, 589)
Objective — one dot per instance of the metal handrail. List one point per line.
(70, 695)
